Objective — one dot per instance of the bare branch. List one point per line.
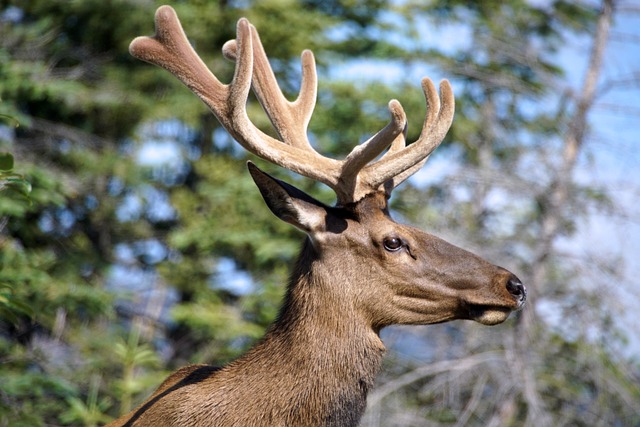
(463, 364)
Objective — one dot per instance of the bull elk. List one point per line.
(358, 270)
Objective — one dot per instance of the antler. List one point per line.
(351, 178)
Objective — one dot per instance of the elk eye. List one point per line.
(393, 244)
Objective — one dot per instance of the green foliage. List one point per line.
(30, 394)
(12, 305)
(6, 162)
(133, 356)
(90, 413)
(12, 181)
(112, 268)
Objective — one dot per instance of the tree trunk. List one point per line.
(552, 216)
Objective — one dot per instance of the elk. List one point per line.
(358, 270)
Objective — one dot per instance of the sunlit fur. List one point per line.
(358, 270)
(319, 359)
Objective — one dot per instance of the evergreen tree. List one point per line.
(143, 245)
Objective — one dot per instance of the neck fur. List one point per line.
(325, 353)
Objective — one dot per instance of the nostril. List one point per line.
(517, 289)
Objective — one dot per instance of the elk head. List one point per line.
(389, 273)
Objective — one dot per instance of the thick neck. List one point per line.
(314, 311)
(327, 354)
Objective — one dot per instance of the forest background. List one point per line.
(132, 240)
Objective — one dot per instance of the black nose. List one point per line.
(517, 290)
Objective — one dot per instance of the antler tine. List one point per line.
(290, 119)
(170, 49)
(400, 162)
(364, 153)
(354, 177)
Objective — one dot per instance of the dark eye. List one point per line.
(393, 244)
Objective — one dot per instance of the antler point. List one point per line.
(134, 44)
(308, 59)
(165, 12)
(141, 46)
(230, 50)
(243, 31)
(397, 112)
(244, 24)
(427, 83)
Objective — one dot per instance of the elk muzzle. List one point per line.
(489, 314)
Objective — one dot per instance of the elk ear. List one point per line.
(289, 203)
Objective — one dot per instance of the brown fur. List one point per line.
(358, 271)
(319, 359)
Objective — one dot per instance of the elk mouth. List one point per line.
(488, 314)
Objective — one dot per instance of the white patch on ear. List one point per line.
(310, 217)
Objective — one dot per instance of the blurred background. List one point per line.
(132, 240)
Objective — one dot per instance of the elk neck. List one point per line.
(318, 345)
(314, 311)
